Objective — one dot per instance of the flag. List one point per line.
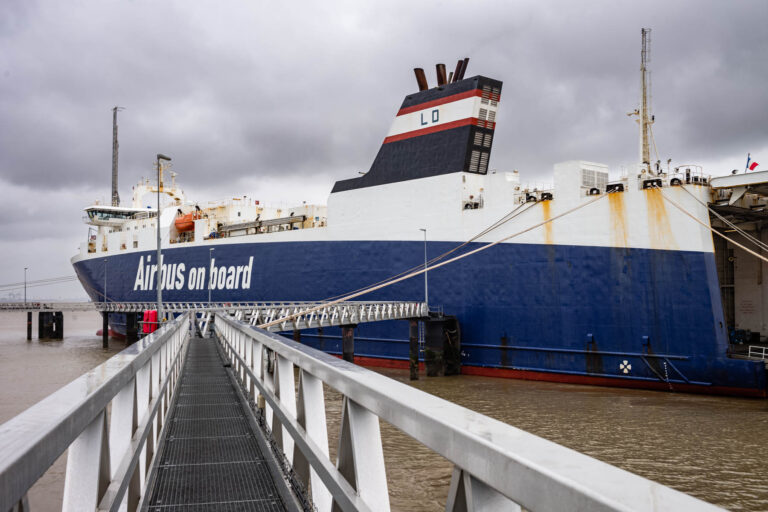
(753, 166)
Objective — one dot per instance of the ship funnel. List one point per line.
(441, 79)
(421, 79)
(446, 129)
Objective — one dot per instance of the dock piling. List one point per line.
(413, 340)
(131, 328)
(348, 343)
(105, 330)
(29, 325)
(50, 325)
(442, 354)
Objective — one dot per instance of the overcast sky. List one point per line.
(277, 100)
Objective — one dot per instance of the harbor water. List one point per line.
(711, 447)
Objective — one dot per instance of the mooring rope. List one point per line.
(506, 218)
(713, 230)
(422, 270)
(730, 224)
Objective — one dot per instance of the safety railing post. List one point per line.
(310, 414)
(122, 425)
(468, 493)
(360, 456)
(143, 398)
(285, 389)
(87, 475)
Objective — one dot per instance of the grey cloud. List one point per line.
(260, 91)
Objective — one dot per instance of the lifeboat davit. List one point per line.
(186, 222)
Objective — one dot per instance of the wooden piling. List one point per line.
(29, 325)
(297, 335)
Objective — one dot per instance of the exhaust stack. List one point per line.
(464, 65)
(441, 79)
(457, 73)
(421, 79)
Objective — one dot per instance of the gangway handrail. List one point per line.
(108, 454)
(496, 466)
(758, 352)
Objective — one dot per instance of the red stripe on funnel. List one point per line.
(432, 129)
(441, 101)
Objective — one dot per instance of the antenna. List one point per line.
(115, 146)
(645, 119)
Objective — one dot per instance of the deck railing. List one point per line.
(496, 466)
(108, 450)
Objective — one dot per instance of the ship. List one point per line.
(598, 279)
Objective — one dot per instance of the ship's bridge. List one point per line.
(104, 215)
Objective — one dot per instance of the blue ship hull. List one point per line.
(600, 315)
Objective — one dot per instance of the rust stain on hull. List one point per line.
(548, 226)
(618, 219)
(659, 229)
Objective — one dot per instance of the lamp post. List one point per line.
(426, 287)
(25, 285)
(160, 157)
(210, 270)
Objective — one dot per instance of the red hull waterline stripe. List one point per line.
(573, 379)
(439, 128)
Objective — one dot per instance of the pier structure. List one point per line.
(237, 420)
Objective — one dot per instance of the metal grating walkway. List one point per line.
(210, 459)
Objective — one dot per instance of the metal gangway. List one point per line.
(296, 315)
(113, 458)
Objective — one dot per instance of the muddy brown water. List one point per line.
(714, 448)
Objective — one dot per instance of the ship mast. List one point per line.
(115, 145)
(645, 120)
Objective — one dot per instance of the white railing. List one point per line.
(758, 352)
(496, 466)
(108, 453)
(352, 312)
(302, 315)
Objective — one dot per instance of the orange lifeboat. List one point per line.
(186, 222)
